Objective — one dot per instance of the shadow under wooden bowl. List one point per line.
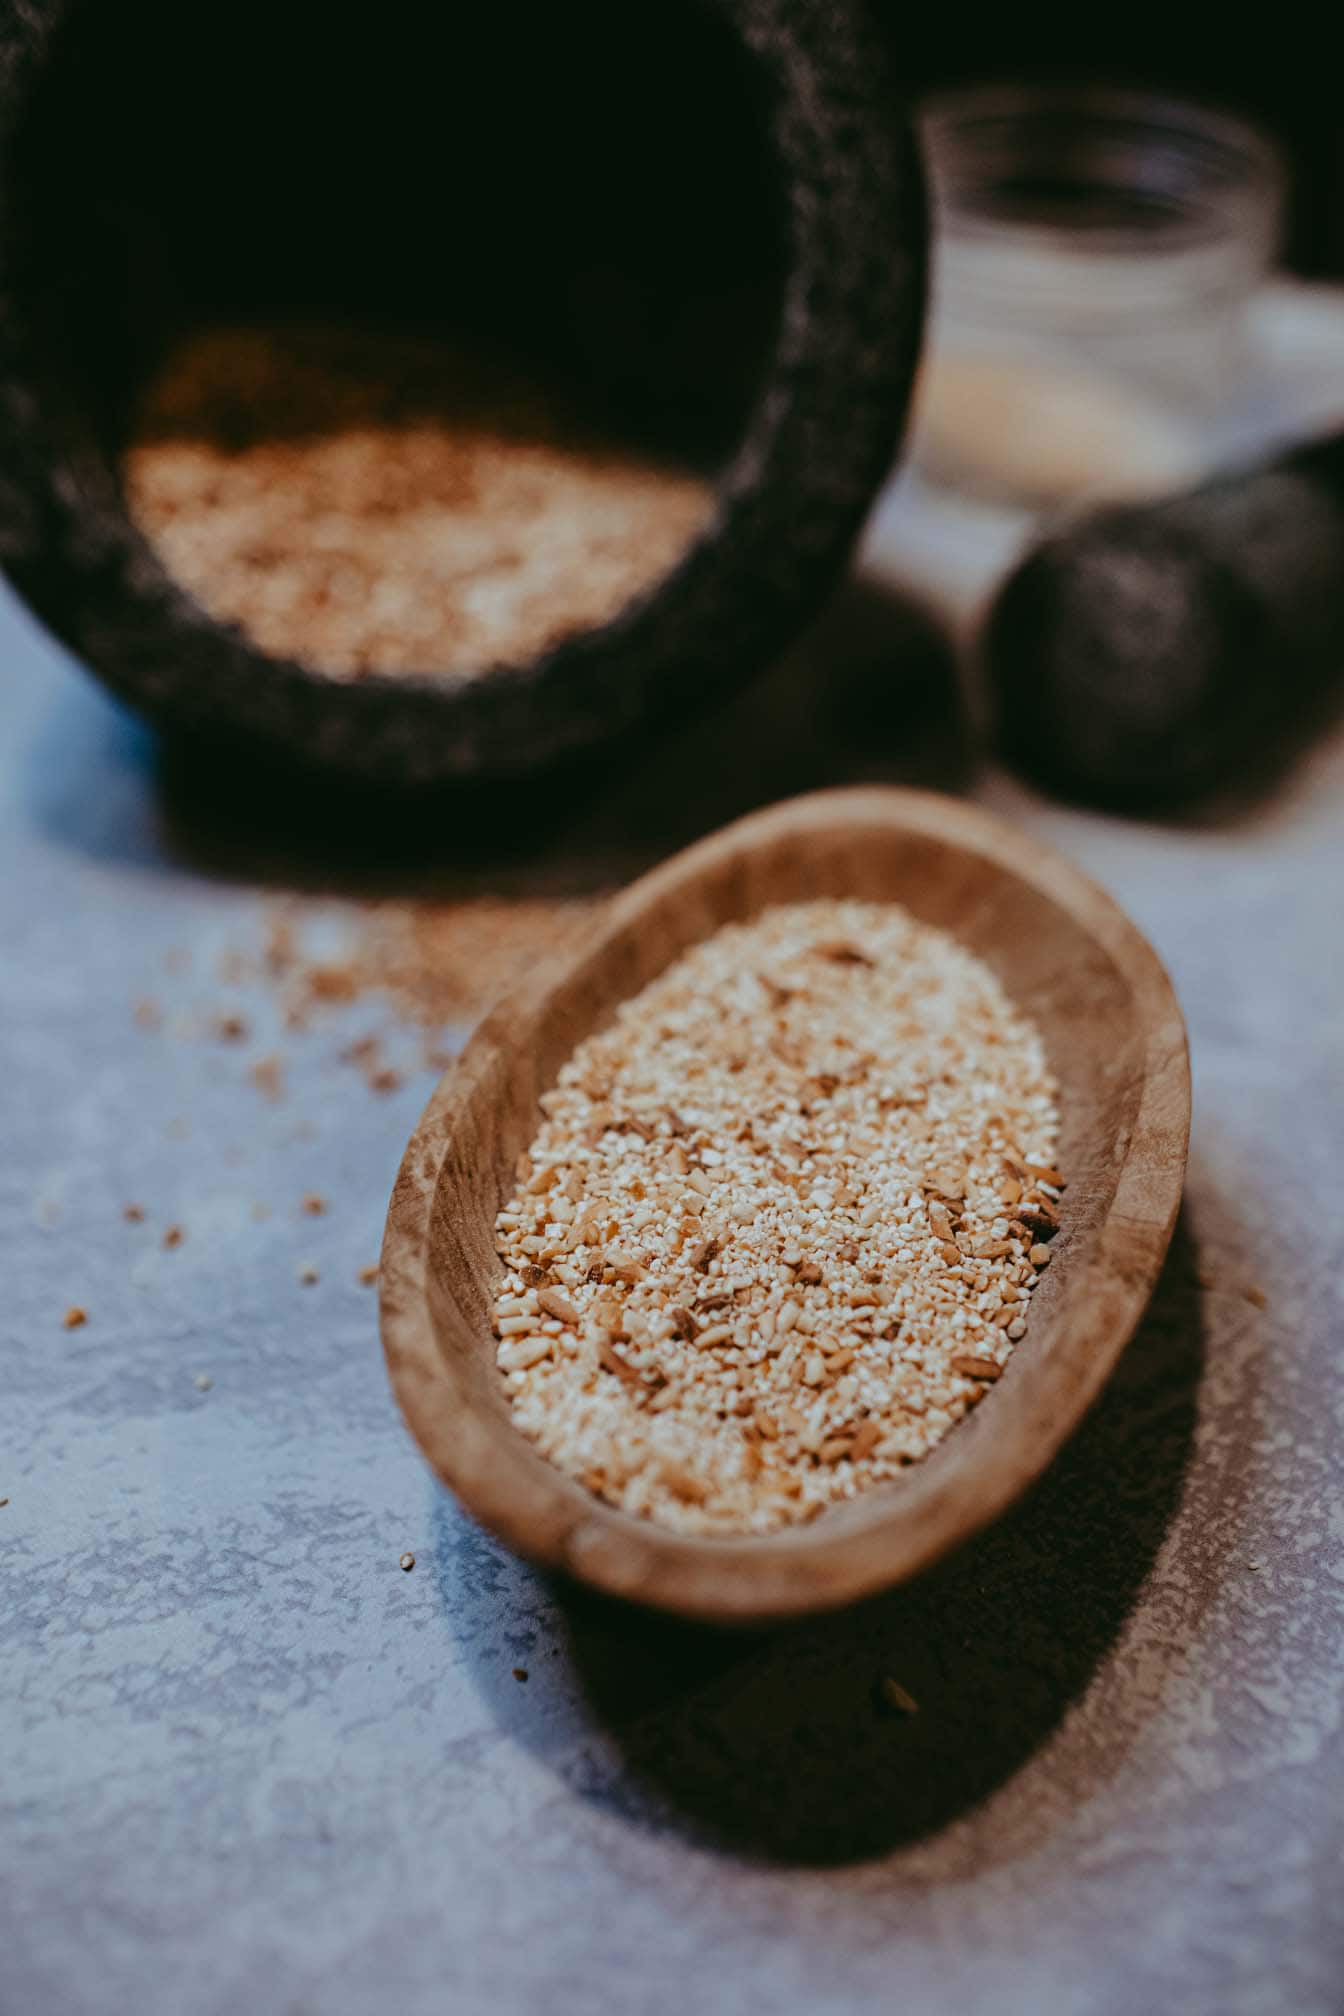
(1115, 1039)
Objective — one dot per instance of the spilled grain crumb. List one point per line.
(407, 1563)
(173, 1236)
(893, 1699)
(367, 1276)
(308, 1275)
(75, 1318)
(312, 1205)
(774, 1236)
(134, 1214)
(268, 1075)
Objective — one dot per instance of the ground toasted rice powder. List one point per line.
(367, 505)
(781, 1225)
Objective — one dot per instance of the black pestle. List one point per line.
(1152, 654)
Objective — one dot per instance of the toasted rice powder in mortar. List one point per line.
(369, 505)
(780, 1227)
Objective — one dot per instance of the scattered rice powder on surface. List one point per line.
(781, 1225)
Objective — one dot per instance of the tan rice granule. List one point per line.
(775, 1235)
(368, 505)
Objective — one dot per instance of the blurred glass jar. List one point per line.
(1096, 252)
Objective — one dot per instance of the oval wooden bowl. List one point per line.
(1115, 1039)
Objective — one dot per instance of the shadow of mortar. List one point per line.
(869, 694)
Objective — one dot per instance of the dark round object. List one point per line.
(705, 217)
(1151, 655)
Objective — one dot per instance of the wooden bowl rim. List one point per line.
(752, 1579)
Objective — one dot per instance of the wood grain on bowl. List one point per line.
(1115, 1040)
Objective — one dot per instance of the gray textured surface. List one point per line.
(245, 1762)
